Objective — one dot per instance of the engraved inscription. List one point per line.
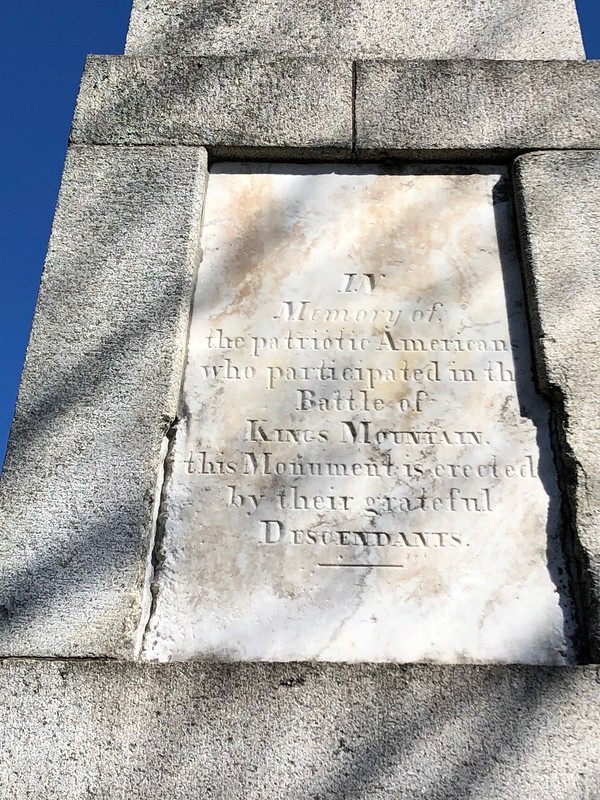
(362, 469)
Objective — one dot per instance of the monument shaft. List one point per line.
(285, 398)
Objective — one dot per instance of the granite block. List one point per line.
(98, 394)
(558, 202)
(242, 106)
(468, 109)
(273, 732)
(519, 29)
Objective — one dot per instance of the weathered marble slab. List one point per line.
(362, 468)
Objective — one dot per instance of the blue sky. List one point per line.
(43, 46)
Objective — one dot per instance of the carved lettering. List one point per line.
(355, 470)
(365, 282)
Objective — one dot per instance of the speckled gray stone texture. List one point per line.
(298, 732)
(558, 201)
(518, 29)
(241, 106)
(475, 108)
(98, 393)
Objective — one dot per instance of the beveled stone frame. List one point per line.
(98, 399)
(104, 365)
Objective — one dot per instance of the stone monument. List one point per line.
(301, 495)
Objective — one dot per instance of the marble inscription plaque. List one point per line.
(362, 468)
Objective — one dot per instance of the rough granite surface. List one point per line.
(298, 732)
(519, 29)
(98, 393)
(244, 105)
(558, 202)
(303, 107)
(475, 108)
